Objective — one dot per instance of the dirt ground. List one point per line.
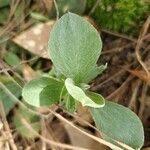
(125, 81)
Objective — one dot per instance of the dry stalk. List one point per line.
(139, 44)
(6, 127)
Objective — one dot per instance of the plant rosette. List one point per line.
(74, 47)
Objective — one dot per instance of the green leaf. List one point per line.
(74, 47)
(30, 118)
(97, 98)
(94, 100)
(42, 91)
(95, 72)
(4, 3)
(39, 16)
(119, 123)
(71, 104)
(14, 89)
(50, 94)
(5, 12)
(12, 59)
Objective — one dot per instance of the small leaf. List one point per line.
(11, 59)
(3, 18)
(35, 91)
(118, 123)
(97, 98)
(4, 3)
(94, 100)
(13, 88)
(70, 103)
(39, 16)
(95, 72)
(84, 86)
(74, 47)
(50, 94)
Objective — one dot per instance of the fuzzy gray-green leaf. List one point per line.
(93, 100)
(118, 123)
(74, 47)
(36, 91)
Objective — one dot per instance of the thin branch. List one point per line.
(6, 127)
(94, 7)
(57, 10)
(139, 43)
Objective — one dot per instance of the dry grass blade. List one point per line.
(57, 10)
(140, 74)
(94, 7)
(135, 87)
(6, 127)
(118, 91)
(120, 35)
(7, 30)
(139, 44)
(14, 4)
(142, 100)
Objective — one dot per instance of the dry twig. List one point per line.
(139, 44)
(6, 127)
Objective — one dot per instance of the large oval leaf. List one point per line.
(92, 100)
(118, 123)
(74, 47)
(42, 91)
